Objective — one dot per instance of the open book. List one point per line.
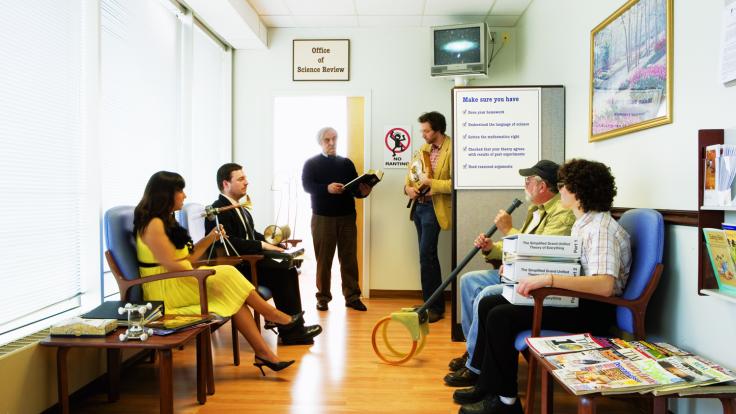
(371, 178)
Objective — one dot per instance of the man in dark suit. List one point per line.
(239, 226)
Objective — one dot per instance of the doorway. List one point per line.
(296, 120)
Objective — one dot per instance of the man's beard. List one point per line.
(527, 196)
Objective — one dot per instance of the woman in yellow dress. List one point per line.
(164, 246)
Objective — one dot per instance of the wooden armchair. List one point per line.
(123, 260)
(646, 230)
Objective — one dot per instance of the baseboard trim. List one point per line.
(402, 294)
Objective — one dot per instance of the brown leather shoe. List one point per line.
(461, 378)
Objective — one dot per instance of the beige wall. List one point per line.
(391, 67)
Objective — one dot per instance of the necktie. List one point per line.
(248, 223)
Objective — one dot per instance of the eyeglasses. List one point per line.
(560, 185)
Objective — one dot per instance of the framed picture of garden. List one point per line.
(631, 69)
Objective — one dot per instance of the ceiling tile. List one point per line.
(278, 21)
(390, 21)
(458, 7)
(321, 7)
(264, 7)
(447, 20)
(502, 21)
(326, 21)
(510, 7)
(389, 7)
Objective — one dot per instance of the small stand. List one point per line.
(136, 319)
(225, 242)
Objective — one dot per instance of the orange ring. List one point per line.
(380, 355)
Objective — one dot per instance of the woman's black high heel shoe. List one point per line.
(275, 366)
(293, 322)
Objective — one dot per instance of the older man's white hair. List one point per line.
(322, 132)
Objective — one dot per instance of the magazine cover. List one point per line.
(549, 345)
(583, 358)
(607, 376)
(690, 375)
(720, 258)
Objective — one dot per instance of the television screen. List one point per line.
(457, 46)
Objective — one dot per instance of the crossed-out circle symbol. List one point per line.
(397, 140)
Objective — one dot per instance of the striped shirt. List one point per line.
(434, 155)
(606, 247)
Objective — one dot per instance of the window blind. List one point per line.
(42, 179)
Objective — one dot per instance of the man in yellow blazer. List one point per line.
(433, 198)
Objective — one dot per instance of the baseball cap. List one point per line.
(544, 168)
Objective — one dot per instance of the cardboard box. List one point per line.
(509, 292)
(544, 246)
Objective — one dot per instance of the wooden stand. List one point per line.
(706, 217)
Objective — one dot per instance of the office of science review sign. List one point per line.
(321, 60)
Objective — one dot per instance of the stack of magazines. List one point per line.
(527, 255)
(586, 365)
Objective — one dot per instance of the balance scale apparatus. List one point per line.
(415, 320)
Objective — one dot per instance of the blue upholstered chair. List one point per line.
(646, 229)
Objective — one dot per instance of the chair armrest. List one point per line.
(540, 294)
(251, 259)
(292, 242)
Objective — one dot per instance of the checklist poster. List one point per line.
(497, 131)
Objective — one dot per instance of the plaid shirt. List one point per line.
(434, 155)
(606, 247)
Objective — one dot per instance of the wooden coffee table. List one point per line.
(587, 403)
(163, 345)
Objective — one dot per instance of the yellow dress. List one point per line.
(227, 289)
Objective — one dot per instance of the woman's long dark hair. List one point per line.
(158, 201)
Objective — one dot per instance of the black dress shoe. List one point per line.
(461, 378)
(457, 363)
(322, 305)
(469, 395)
(357, 305)
(492, 405)
(303, 336)
(433, 316)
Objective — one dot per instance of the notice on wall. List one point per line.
(497, 132)
(728, 43)
(396, 144)
(321, 60)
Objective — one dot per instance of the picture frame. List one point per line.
(320, 60)
(631, 55)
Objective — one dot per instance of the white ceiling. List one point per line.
(387, 13)
(244, 23)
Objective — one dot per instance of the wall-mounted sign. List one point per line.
(321, 60)
(396, 146)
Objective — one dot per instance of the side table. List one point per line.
(163, 345)
(587, 403)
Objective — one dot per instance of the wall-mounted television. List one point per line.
(459, 49)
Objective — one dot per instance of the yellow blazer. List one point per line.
(441, 184)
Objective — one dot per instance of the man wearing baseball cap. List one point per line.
(545, 216)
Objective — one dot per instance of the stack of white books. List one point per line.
(527, 255)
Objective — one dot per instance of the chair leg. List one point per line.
(236, 343)
(257, 318)
(530, 389)
(210, 362)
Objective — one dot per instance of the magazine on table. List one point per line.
(622, 375)
(550, 345)
(174, 323)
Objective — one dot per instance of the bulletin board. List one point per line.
(474, 206)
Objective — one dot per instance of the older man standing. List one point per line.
(333, 219)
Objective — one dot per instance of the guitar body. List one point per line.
(419, 169)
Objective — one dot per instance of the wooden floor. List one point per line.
(338, 374)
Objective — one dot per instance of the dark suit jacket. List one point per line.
(237, 234)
